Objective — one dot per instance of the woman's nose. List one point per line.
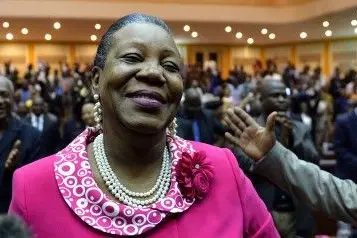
(152, 74)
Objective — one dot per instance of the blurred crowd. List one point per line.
(313, 114)
(317, 120)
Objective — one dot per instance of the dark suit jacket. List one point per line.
(304, 148)
(205, 122)
(29, 152)
(50, 136)
(345, 144)
(71, 129)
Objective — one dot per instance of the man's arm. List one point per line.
(307, 182)
(304, 181)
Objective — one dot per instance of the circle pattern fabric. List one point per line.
(83, 196)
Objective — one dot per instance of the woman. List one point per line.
(132, 177)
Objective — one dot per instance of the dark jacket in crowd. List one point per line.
(345, 144)
(50, 136)
(29, 151)
(71, 129)
(304, 148)
(206, 124)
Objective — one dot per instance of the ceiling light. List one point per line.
(325, 24)
(9, 36)
(354, 22)
(239, 35)
(264, 31)
(5, 24)
(93, 38)
(97, 26)
(228, 29)
(250, 41)
(57, 25)
(48, 37)
(356, 30)
(328, 33)
(303, 35)
(271, 36)
(186, 28)
(194, 34)
(24, 31)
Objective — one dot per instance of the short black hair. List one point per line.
(8, 83)
(105, 42)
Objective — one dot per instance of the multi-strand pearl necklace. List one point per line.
(122, 193)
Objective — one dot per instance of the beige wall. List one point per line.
(16, 53)
(52, 54)
(327, 54)
(245, 56)
(343, 54)
(280, 54)
(309, 54)
(85, 53)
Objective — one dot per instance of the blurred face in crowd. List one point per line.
(140, 85)
(6, 98)
(274, 96)
(38, 106)
(192, 104)
(88, 114)
(25, 84)
(22, 110)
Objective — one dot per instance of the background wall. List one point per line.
(327, 54)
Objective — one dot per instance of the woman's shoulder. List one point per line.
(222, 159)
(39, 169)
(214, 154)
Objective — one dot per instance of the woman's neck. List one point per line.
(133, 151)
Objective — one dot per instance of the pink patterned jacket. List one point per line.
(58, 197)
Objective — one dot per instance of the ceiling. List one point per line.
(228, 2)
(176, 10)
(79, 30)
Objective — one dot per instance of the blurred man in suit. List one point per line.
(292, 218)
(194, 122)
(19, 142)
(47, 124)
(345, 142)
(345, 146)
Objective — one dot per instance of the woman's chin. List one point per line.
(145, 126)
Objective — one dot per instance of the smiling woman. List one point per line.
(131, 175)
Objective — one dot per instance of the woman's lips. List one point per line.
(147, 99)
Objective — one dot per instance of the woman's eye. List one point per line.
(171, 68)
(132, 58)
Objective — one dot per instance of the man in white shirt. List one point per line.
(47, 125)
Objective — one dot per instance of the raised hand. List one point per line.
(254, 140)
(14, 156)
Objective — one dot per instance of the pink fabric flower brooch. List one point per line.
(194, 175)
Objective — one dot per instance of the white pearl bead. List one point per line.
(121, 192)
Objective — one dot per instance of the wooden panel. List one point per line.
(230, 2)
(16, 53)
(14, 59)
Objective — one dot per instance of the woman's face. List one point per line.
(141, 85)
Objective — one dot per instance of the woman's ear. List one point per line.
(95, 79)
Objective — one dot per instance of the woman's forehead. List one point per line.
(144, 34)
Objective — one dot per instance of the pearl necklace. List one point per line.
(121, 192)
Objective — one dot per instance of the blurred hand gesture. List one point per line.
(14, 156)
(254, 140)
